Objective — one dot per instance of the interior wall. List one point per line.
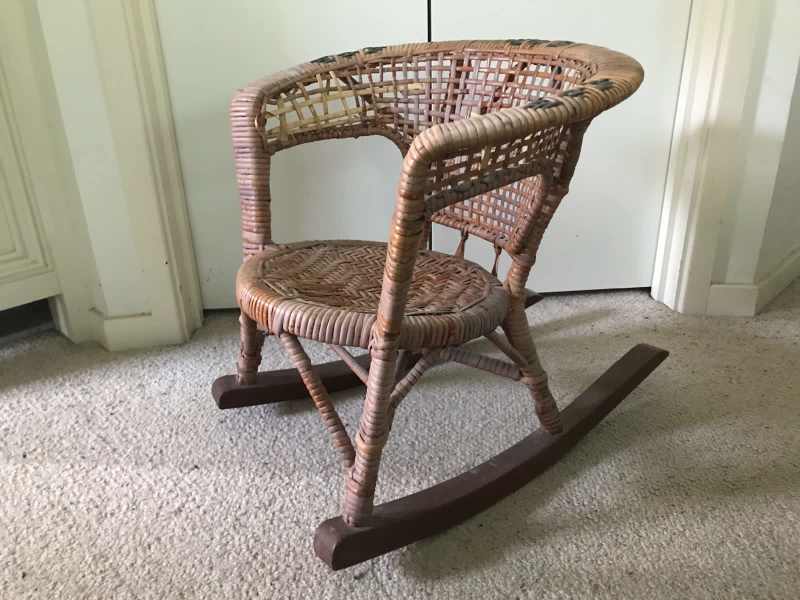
(345, 188)
(760, 213)
(619, 182)
(782, 234)
(760, 136)
(753, 134)
(320, 191)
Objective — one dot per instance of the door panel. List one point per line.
(25, 271)
(604, 234)
(333, 189)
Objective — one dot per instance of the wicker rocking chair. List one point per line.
(490, 133)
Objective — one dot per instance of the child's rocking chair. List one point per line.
(490, 133)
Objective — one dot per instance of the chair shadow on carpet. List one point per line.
(662, 423)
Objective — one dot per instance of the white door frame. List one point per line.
(712, 156)
(109, 52)
(688, 233)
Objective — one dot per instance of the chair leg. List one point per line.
(373, 431)
(318, 393)
(251, 342)
(516, 329)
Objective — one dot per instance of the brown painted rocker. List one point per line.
(490, 133)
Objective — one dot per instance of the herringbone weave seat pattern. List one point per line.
(450, 299)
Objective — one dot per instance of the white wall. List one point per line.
(604, 233)
(782, 234)
(339, 189)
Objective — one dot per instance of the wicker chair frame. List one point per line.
(490, 133)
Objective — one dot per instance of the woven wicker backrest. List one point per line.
(399, 91)
(403, 92)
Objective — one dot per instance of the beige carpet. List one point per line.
(121, 479)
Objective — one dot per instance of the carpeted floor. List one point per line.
(121, 479)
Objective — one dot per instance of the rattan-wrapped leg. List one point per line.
(373, 431)
(251, 342)
(534, 376)
(318, 393)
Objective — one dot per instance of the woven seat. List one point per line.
(329, 292)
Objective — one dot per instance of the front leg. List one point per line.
(373, 431)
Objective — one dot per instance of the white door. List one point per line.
(26, 270)
(209, 53)
(604, 233)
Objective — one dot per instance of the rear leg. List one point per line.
(251, 342)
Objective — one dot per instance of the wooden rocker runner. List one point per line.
(490, 133)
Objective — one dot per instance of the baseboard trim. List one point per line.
(747, 300)
(732, 300)
(131, 332)
(777, 281)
